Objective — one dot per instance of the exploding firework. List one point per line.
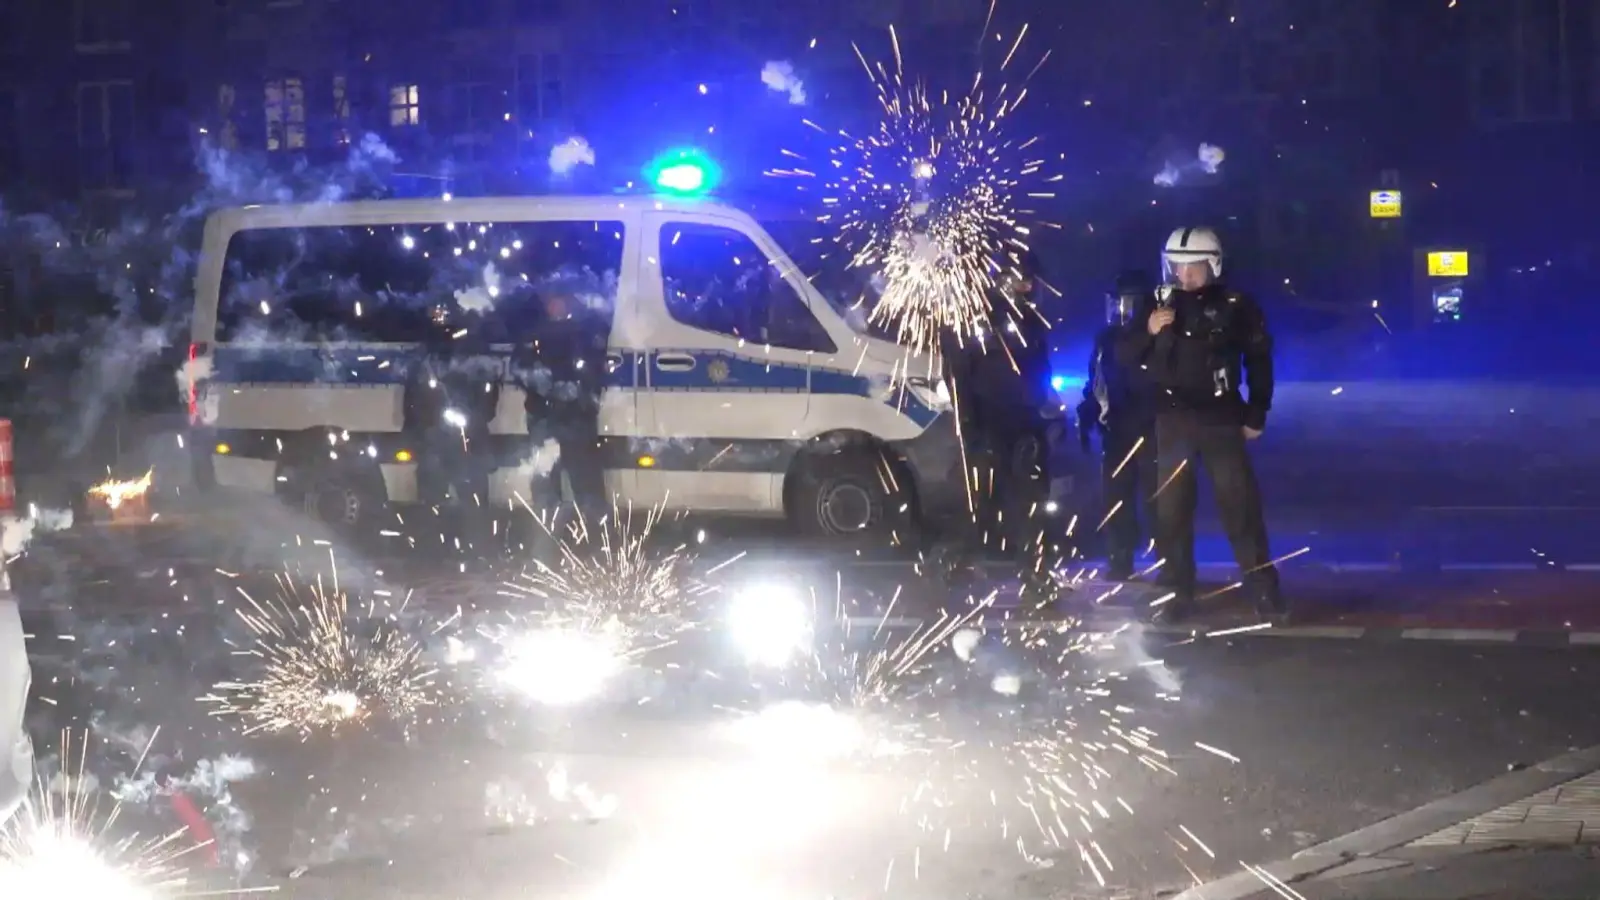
(938, 200)
(324, 664)
(61, 843)
(608, 598)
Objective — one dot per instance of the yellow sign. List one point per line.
(1385, 204)
(1447, 264)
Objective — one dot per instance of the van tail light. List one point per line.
(196, 352)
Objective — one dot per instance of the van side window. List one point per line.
(404, 283)
(717, 279)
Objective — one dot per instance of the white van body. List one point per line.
(16, 678)
(693, 417)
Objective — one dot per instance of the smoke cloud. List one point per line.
(779, 76)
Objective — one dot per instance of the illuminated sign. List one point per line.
(1385, 204)
(1447, 264)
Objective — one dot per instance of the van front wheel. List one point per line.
(844, 495)
(345, 501)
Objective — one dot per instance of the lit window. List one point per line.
(341, 111)
(404, 108)
(294, 93)
(274, 110)
(228, 133)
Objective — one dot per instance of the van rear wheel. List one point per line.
(845, 495)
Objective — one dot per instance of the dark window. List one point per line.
(105, 134)
(397, 283)
(716, 279)
(102, 25)
(535, 12)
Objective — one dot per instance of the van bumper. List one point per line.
(934, 458)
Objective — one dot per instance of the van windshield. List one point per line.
(826, 265)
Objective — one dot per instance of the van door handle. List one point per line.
(675, 362)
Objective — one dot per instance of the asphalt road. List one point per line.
(648, 793)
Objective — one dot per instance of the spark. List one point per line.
(938, 200)
(323, 664)
(61, 843)
(608, 599)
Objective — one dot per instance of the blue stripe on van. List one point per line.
(387, 363)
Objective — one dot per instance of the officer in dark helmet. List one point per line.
(1119, 404)
(1201, 342)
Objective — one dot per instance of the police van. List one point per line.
(733, 385)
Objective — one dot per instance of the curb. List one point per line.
(1399, 830)
(1535, 637)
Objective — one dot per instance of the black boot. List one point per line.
(1119, 568)
(1176, 605)
(1270, 605)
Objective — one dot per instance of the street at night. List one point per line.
(826, 450)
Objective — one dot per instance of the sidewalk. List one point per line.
(1529, 833)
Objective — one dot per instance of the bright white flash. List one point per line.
(455, 417)
(770, 624)
(560, 666)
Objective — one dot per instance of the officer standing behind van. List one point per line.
(1201, 342)
(451, 396)
(1119, 403)
(999, 379)
(562, 373)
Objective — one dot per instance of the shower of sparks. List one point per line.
(608, 598)
(323, 663)
(116, 493)
(1046, 751)
(939, 200)
(61, 843)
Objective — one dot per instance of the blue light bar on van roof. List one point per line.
(684, 172)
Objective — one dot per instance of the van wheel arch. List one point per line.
(317, 483)
(838, 471)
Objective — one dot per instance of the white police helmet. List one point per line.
(1192, 245)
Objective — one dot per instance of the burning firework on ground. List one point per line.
(324, 663)
(124, 500)
(61, 843)
(939, 199)
(607, 599)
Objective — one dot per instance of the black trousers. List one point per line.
(1128, 485)
(1184, 442)
(579, 462)
(447, 462)
(1009, 455)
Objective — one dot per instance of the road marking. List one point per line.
(1459, 634)
(1318, 631)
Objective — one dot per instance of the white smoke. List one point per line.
(779, 76)
(569, 154)
(540, 463)
(480, 298)
(1208, 160)
(15, 533)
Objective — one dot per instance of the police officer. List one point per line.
(451, 396)
(1000, 377)
(1119, 403)
(1200, 342)
(562, 372)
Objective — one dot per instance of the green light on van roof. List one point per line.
(684, 173)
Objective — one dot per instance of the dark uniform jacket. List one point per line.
(1218, 343)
